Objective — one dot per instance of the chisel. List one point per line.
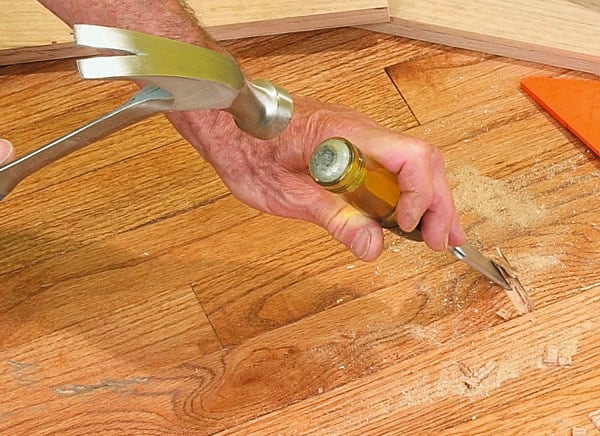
(340, 167)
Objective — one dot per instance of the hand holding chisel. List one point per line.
(340, 167)
(268, 174)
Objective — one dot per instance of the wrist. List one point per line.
(214, 131)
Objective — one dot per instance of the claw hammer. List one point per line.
(178, 77)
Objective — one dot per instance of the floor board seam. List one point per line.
(214, 330)
(403, 99)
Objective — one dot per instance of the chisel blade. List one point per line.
(470, 255)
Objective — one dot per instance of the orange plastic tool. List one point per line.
(575, 103)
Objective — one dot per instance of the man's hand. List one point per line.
(272, 176)
(7, 152)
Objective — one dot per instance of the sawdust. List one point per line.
(502, 206)
(452, 380)
(428, 334)
(532, 262)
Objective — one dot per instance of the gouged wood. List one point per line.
(561, 33)
(26, 23)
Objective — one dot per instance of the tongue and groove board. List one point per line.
(27, 23)
(564, 33)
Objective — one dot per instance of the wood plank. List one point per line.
(334, 67)
(126, 268)
(302, 360)
(421, 81)
(212, 13)
(426, 394)
(340, 15)
(111, 350)
(72, 220)
(27, 23)
(561, 33)
(43, 53)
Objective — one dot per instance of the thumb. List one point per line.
(7, 152)
(362, 235)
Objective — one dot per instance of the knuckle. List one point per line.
(337, 222)
(437, 158)
(421, 149)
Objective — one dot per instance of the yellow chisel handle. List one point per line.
(340, 167)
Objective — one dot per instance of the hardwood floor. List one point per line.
(139, 297)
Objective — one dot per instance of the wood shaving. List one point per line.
(578, 431)
(551, 357)
(474, 378)
(555, 356)
(485, 370)
(503, 313)
(564, 360)
(587, 288)
(517, 293)
(595, 418)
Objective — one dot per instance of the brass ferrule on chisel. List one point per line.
(340, 167)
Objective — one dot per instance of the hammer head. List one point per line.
(196, 77)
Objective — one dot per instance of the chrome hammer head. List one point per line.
(196, 77)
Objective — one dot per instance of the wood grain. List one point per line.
(294, 16)
(27, 23)
(561, 33)
(139, 296)
(426, 394)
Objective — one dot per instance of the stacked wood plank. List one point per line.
(27, 23)
(561, 33)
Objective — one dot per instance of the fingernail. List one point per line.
(361, 244)
(414, 221)
(447, 241)
(5, 150)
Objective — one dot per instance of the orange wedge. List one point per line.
(575, 103)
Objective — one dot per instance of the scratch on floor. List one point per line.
(110, 385)
(587, 288)
(22, 371)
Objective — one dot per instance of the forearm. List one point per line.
(169, 18)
